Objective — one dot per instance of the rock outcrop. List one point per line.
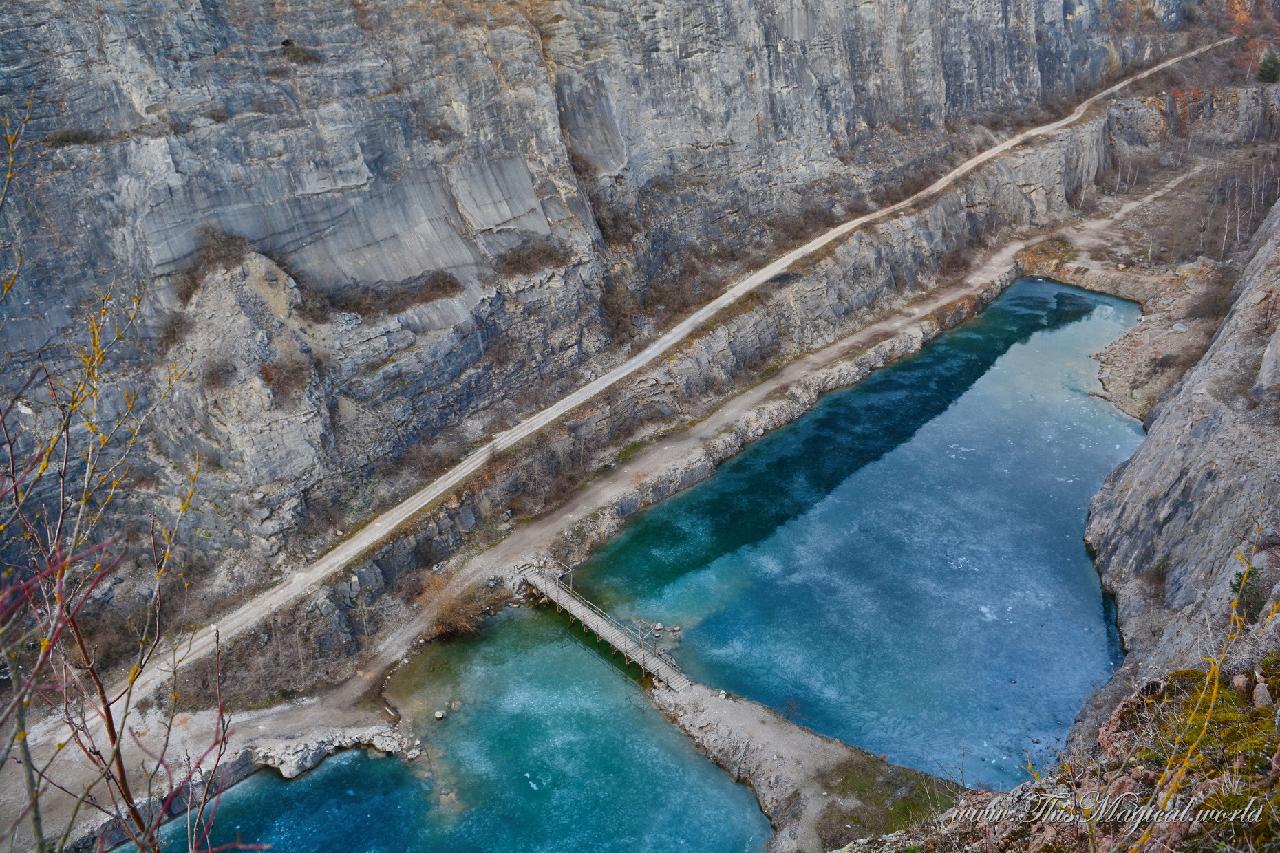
(295, 756)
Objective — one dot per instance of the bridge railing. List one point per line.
(633, 634)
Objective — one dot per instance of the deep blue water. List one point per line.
(904, 568)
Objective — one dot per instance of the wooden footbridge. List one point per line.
(632, 644)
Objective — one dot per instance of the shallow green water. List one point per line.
(903, 568)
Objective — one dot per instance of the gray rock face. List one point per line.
(1203, 487)
(1207, 119)
(368, 144)
(1268, 385)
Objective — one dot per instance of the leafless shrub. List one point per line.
(1129, 170)
(1179, 361)
(618, 308)
(581, 166)
(501, 349)
(807, 223)
(463, 613)
(955, 263)
(681, 283)
(618, 225)
(429, 458)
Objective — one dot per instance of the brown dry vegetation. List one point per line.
(218, 374)
(287, 377)
(320, 307)
(70, 136)
(461, 614)
(534, 256)
(299, 55)
(215, 250)
(171, 329)
(1230, 202)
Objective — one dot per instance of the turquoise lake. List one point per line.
(902, 568)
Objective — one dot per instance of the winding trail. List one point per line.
(248, 615)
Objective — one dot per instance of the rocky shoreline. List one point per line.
(289, 756)
(813, 789)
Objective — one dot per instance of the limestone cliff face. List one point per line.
(535, 157)
(1202, 487)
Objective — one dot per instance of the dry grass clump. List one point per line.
(215, 250)
(534, 256)
(173, 328)
(299, 55)
(319, 307)
(219, 374)
(70, 136)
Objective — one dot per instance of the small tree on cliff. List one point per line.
(72, 739)
(1269, 69)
